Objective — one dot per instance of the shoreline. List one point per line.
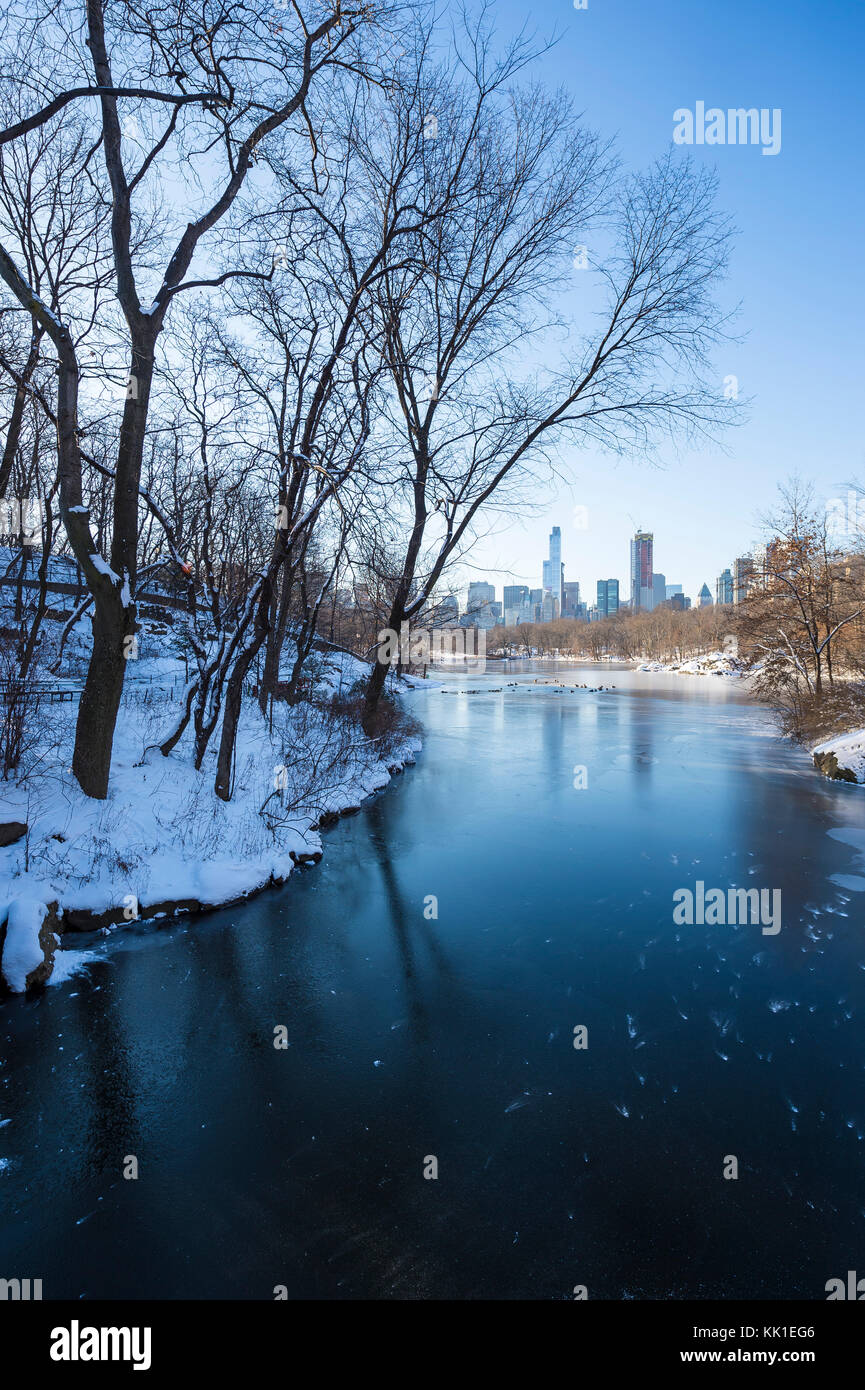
(162, 845)
(34, 918)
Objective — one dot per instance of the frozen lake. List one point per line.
(412, 1036)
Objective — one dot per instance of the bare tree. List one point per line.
(804, 605)
(515, 183)
(252, 79)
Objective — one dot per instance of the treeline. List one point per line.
(665, 634)
(276, 282)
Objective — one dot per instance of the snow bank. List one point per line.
(710, 664)
(163, 835)
(162, 841)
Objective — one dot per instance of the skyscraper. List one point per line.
(704, 598)
(642, 588)
(659, 589)
(724, 587)
(553, 570)
(608, 597)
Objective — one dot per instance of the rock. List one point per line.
(11, 831)
(49, 940)
(305, 857)
(828, 764)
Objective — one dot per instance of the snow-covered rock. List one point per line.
(28, 939)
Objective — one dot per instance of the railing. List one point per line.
(79, 591)
(141, 689)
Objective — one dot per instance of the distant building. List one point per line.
(742, 573)
(704, 598)
(446, 611)
(480, 594)
(672, 589)
(571, 599)
(642, 588)
(481, 607)
(659, 590)
(679, 603)
(608, 597)
(479, 617)
(514, 595)
(550, 609)
(724, 588)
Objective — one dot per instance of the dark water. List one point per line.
(453, 1037)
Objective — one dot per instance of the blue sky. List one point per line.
(796, 269)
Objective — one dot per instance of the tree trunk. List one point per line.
(234, 687)
(100, 701)
(231, 717)
(112, 621)
(275, 641)
(377, 678)
(378, 675)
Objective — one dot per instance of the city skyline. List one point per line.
(602, 597)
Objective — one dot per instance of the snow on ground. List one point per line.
(710, 664)
(162, 835)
